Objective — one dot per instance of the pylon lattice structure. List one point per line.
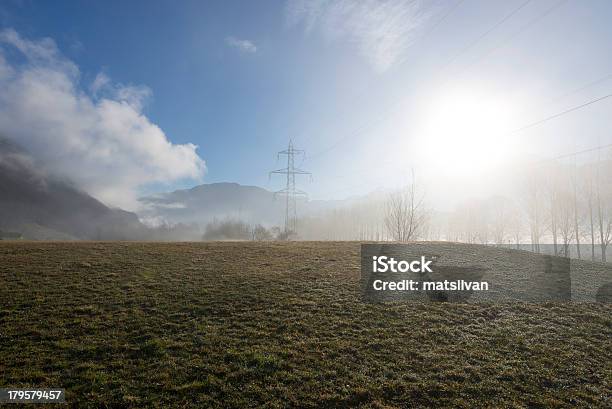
(290, 193)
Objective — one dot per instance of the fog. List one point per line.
(559, 207)
(555, 206)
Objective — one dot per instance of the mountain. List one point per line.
(205, 203)
(41, 207)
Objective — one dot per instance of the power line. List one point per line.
(541, 121)
(534, 163)
(364, 90)
(478, 39)
(515, 34)
(489, 31)
(581, 88)
(290, 192)
(533, 124)
(574, 154)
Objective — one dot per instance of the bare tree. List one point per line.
(533, 209)
(260, 233)
(481, 221)
(471, 217)
(589, 193)
(565, 214)
(577, 209)
(552, 192)
(605, 230)
(405, 213)
(604, 213)
(502, 218)
(515, 223)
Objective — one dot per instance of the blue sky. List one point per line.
(350, 82)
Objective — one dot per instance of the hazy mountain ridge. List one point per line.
(42, 207)
(204, 203)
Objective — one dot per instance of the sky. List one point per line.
(132, 98)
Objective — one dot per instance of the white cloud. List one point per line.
(243, 45)
(99, 83)
(133, 95)
(381, 30)
(175, 205)
(102, 141)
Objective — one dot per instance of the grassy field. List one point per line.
(277, 324)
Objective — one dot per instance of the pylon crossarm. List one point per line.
(300, 171)
(283, 171)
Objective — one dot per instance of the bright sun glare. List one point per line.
(466, 133)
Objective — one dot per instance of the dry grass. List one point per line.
(277, 324)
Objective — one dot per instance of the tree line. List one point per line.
(563, 209)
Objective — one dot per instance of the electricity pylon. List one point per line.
(290, 192)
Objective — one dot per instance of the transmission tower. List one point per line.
(290, 193)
